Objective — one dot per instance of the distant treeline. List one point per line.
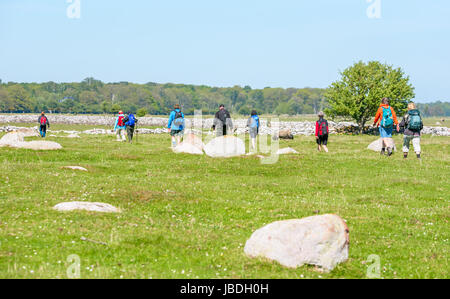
(94, 96)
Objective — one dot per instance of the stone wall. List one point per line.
(297, 128)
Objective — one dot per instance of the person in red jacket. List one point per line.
(322, 132)
(386, 119)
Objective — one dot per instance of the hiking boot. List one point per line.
(383, 151)
(405, 156)
(389, 152)
(419, 157)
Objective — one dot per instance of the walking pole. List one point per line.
(136, 131)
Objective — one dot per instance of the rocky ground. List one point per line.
(296, 128)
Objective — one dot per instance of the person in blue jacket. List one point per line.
(253, 125)
(176, 125)
(120, 127)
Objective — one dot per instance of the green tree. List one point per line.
(142, 112)
(358, 93)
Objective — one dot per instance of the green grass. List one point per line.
(189, 217)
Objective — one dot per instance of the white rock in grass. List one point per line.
(287, 151)
(377, 145)
(38, 145)
(75, 168)
(17, 140)
(74, 135)
(86, 206)
(322, 241)
(225, 147)
(188, 148)
(193, 139)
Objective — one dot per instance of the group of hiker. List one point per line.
(125, 125)
(385, 119)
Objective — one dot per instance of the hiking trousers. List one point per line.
(121, 134)
(415, 141)
(130, 133)
(43, 130)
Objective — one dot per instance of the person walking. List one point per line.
(130, 122)
(253, 125)
(43, 124)
(322, 132)
(412, 124)
(176, 125)
(120, 127)
(386, 119)
(222, 122)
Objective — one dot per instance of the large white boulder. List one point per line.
(86, 206)
(38, 145)
(193, 139)
(17, 140)
(322, 241)
(225, 147)
(377, 145)
(188, 148)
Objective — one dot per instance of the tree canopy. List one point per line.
(94, 96)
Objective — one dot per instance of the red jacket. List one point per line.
(319, 129)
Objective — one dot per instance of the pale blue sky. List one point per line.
(277, 43)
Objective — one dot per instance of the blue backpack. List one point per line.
(255, 122)
(131, 120)
(179, 119)
(388, 119)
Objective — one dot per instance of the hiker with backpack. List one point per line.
(43, 124)
(386, 119)
(120, 127)
(322, 132)
(176, 125)
(130, 122)
(222, 122)
(253, 125)
(412, 124)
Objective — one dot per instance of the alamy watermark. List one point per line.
(74, 9)
(74, 269)
(374, 9)
(374, 267)
(269, 149)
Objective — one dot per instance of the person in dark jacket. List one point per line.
(222, 122)
(322, 132)
(412, 125)
(43, 124)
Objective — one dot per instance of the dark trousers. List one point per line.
(43, 130)
(130, 133)
(221, 131)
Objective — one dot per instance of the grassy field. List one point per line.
(189, 217)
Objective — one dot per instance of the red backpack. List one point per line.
(323, 127)
(43, 121)
(120, 123)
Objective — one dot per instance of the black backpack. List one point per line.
(323, 127)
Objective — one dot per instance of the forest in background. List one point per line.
(94, 97)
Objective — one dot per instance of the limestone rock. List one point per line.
(17, 140)
(225, 147)
(193, 139)
(322, 241)
(188, 148)
(377, 145)
(86, 206)
(75, 168)
(287, 151)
